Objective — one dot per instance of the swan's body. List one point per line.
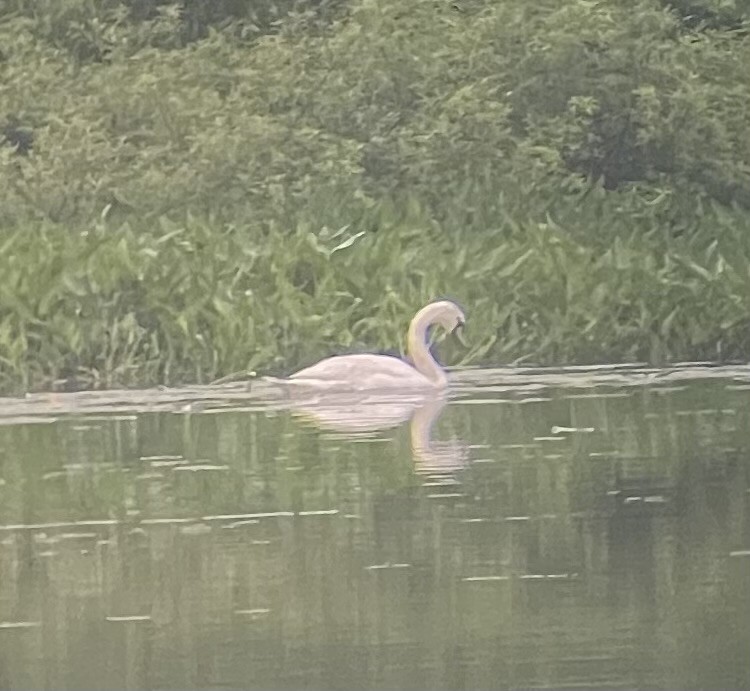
(383, 372)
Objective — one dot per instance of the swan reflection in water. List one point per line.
(353, 417)
(434, 457)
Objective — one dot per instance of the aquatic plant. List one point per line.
(195, 300)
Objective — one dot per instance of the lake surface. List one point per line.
(577, 528)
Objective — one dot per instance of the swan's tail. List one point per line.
(272, 387)
(287, 390)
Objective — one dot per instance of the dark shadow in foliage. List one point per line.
(17, 135)
(89, 31)
(699, 15)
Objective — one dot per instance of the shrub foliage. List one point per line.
(194, 188)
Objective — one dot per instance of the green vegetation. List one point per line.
(198, 189)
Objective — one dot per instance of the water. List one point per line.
(543, 529)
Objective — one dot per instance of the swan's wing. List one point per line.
(360, 372)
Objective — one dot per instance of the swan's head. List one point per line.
(443, 313)
(449, 315)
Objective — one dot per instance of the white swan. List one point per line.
(384, 372)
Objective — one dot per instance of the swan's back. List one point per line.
(361, 372)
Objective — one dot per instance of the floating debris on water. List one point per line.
(253, 613)
(445, 482)
(624, 394)
(61, 524)
(151, 475)
(54, 474)
(387, 565)
(240, 524)
(201, 466)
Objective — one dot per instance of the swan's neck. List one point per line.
(417, 348)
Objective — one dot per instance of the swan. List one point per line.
(368, 372)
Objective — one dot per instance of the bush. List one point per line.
(460, 137)
(418, 99)
(91, 31)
